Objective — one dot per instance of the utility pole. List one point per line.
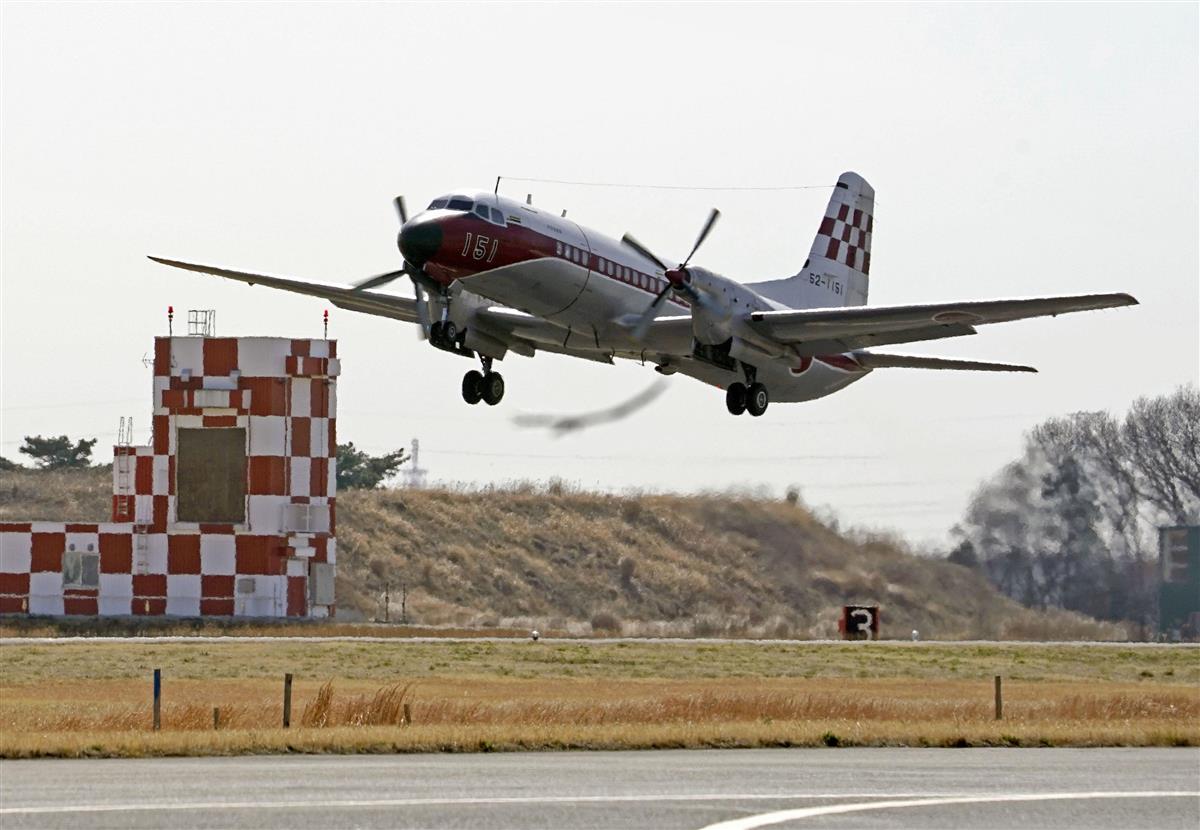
(387, 601)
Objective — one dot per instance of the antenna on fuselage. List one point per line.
(529, 198)
(564, 213)
(496, 189)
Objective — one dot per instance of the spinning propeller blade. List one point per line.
(708, 226)
(678, 280)
(643, 324)
(379, 279)
(643, 250)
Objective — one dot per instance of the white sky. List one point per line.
(1015, 150)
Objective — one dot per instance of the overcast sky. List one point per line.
(1016, 150)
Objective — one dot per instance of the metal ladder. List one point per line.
(125, 465)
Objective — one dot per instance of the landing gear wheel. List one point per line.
(492, 388)
(472, 387)
(449, 332)
(757, 399)
(735, 398)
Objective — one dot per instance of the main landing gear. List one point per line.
(487, 386)
(740, 398)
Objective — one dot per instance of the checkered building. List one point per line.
(230, 511)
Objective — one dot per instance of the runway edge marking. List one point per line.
(585, 799)
(766, 819)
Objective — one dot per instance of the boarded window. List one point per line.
(81, 570)
(320, 583)
(210, 475)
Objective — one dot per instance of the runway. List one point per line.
(716, 789)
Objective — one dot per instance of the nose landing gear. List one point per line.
(487, 386)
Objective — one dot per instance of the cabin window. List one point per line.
(558, 249)
(610, 269)
(458, 203)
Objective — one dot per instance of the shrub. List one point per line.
(606, 621)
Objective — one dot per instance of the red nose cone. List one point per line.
(676, 276)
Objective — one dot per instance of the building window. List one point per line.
(81, 569)
(210, 475)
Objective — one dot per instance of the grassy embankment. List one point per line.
(93, 698)
(548, 558)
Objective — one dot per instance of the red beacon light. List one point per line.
(170, 319)
(326, 322)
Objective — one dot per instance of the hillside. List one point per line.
(660, 564)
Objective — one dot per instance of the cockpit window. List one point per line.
(459, 203)
(481, 211)
(497, 216)
(437, 204)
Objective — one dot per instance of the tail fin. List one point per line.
(835, 273)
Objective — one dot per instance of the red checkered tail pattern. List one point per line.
(839, 263)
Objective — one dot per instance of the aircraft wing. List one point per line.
(826, 330)
(876, 360)
(342, 296)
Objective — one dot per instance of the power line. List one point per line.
(68, 405)
(637, 186)
(702, 457)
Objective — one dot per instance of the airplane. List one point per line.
(492, 275)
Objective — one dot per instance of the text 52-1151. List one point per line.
(826, 281)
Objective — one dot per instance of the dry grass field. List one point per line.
(93, 698)
(552, 558)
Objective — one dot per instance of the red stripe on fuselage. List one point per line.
(472, 246)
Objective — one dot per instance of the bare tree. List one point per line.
(1163, 436)
(1073, 522)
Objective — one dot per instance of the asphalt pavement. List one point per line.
(726, 789)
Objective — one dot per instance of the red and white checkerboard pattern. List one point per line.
(845, 236)
(283, 393)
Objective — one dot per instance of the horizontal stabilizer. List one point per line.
(875, 360)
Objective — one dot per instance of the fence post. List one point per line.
(999, 700)
(287, 700)
(157, 699)
(216, 717)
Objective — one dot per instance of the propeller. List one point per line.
(678, 279)
(420, 280)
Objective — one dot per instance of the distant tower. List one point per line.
(414, 474)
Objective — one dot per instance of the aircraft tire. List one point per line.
(472, 387)
(493, 388)
(757, 399)
(735, 399)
